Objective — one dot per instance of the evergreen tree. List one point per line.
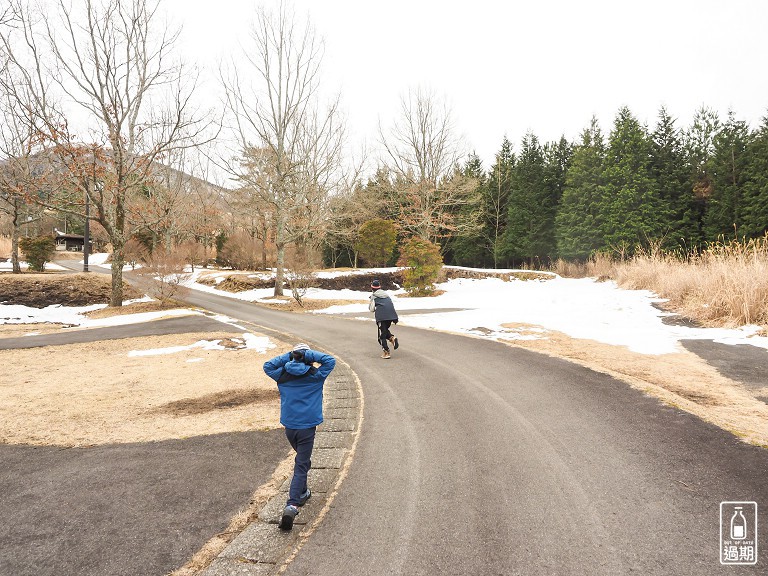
(495, 203)
(634, 211)
(578, 225)
(754, 212)
(699, 144)
(723, 212)
(672, 173)
(558, 158)
(466, 247)
(484, 246)
(530, 221)
(376, 241)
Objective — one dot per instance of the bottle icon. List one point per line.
(738, 525)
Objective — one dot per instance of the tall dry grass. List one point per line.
(726, 285)
(600, 266)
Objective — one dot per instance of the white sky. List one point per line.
(508, 67)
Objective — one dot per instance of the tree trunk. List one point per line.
(280, 269)
(264, 252)
(118, 260)
(15, 230)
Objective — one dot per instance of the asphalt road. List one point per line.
(125, 509)
(479, 458)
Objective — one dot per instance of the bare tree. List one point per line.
(423, 153)
(112, 61)
(21, 165)
(289, 148)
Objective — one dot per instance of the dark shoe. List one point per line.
(289, 514)
(304, 497)
(395, 343)
(385, 354)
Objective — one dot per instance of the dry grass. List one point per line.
(450, 273)
(107, 396)
(600, 266)
(135, 308)
(726, 285)
(288, 304)
(41, 290)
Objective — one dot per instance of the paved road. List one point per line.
(478, 458)
(178, 325)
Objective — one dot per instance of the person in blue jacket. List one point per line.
(300, 384)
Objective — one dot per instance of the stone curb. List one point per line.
(261, 548)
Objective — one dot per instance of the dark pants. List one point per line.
(384, 333)
(302, 441)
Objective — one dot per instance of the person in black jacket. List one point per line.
(386, 315)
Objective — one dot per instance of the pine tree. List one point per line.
(530, 225)
(558, 157)
(754, 212)
(496, 202)
(699, 146)
(634, 212)
(672, 173)
(578, 224)
(484, 246)
(723, 212)
(466, 247)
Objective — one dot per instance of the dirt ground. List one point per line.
(41, 290)
(88, 394)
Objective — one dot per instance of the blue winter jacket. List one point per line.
(301, 387)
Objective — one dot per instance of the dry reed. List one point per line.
(725, 285)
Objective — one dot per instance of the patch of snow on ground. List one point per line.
(56, 314)
(259, 343)
(252, 342)
(204, 344)
(581, 308)
(74, 315)
(6, 266)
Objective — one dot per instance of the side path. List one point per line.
(261, 548)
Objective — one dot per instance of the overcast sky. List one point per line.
(507, 67)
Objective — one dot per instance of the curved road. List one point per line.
(479, 458)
